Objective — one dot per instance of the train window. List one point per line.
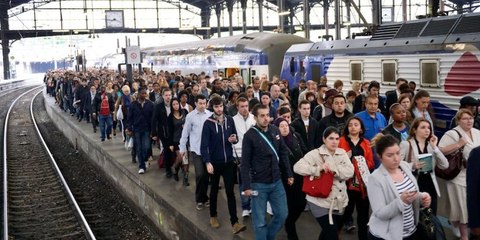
(389, 72)
(356, 71)
(429, 73)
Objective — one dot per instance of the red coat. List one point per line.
(367, 149)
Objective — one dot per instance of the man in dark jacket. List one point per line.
(139, 126)
(264, 155)
(218, 134)
(473, 193)
(337, 119)
(87, 107)
(159, 128)
(103, 107)
(392, 95)
(306, 126)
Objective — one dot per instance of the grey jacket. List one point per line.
(386, 220)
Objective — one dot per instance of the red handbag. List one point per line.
(161, 159)
(320, 186)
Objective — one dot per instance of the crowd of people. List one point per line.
(269, 137)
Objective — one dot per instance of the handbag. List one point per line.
(455, 163)
(161, 159)
(320, 186)
(430, 225)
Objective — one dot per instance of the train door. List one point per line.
(246, 74)
(316, 71)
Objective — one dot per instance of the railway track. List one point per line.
(37, 201)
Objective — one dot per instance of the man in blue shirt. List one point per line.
(372, 119)
(192, 133)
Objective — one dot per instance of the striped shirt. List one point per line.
(408, 217)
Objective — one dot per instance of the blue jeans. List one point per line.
(275, 194)
(105, 120)
(142, 145)
(244, 199)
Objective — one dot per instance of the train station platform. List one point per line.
(167, 203)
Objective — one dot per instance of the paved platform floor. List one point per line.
(178, 197)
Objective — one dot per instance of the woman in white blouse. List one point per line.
(457, 187)
(421, 141)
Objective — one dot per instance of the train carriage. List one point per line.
(439, 54)
(250, 55)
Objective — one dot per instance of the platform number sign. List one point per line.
(133, 55)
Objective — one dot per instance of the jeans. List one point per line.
(105, 120)
(275, 194)
(227, 171)
(201, 178)
(244, 199)
(142, 146)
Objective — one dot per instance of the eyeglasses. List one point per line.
(467, 119)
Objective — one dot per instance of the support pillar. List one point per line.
(306, 19)
(326, 6)
(205, 14)
(349, 18)
(230, 16)
(260, 15)
(376, 13)
(338, 21)
(243, 4)
(5, 42)
(218, 12)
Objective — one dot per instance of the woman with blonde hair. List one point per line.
(462, 137)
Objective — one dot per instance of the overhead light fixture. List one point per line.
(204, 28)
(284, 13)
(185, 28)
(346, 23)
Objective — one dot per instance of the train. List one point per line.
(250, 55)
(439, 54)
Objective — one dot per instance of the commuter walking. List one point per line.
(218, 134)
(396, 199)
(192, 135)
(328, 158)
(264, 160)
(104, 106)
(243, 120)
(139, 126)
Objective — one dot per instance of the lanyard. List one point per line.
(268, 142)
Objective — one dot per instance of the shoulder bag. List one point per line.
(320, 186)
(455, 163)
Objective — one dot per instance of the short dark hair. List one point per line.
(330, 130)
(258, 107)
(303, 102)
(384, 142)
(200, 97)
(283, 110)
(216, 100)
(401, 80)
(166, 90)
(351, 93)
(374, 84)
(339, 95)
(241, 99)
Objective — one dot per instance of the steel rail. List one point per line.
(60, 175)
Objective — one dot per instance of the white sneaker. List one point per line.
(456, 231)
(141, 171)
(269, 209)
(245, 213)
